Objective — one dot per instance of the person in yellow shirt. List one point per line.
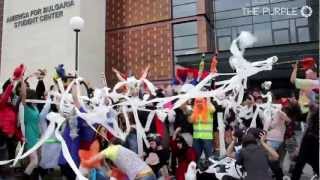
(126, 160)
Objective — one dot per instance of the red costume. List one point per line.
(8, 114)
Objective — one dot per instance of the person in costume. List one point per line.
(77, 135)
(9, 132)
(49, 157)
(126, 160)
(310, 85)
(184, 153)
(202, 119)
(31, 126)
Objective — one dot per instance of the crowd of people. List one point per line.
(188, 134)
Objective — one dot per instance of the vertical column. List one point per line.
(1, 22)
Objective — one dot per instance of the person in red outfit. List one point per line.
(184, 153)
(8, 117)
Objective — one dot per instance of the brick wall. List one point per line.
(124, 13)
(132, 49)
(204, 41)
(139, 33)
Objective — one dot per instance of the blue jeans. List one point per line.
(205, 145)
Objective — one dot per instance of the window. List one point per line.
(302, 30)
(263, 33)
(303, 34)
(226, 31)
(276, 1)
(261, 18)
(180, 2)
(280, 24)
(229, 14)
(280, 30)
(244, 28)
(234, 22)
(222, 5)
(302, 22)
(187, 51)
(185, 38)
(185, 42)
(269, 29)
(184, 8)
(259, 2)
(293, 35)
(224, 42)
(185, 29)
(281, 36)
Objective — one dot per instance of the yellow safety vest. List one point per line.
(204, 130)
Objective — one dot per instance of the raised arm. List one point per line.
(40, 89)
(90, 162)
(23, 92)
(118, 74)
(294, 73)
(75, 97)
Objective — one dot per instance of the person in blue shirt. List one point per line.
(77, 135)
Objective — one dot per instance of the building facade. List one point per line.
(164, 33)
(38, 34)
(281, 30)
(153, 32)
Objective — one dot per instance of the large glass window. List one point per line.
(245, 28)
(185, 29)
(263, 33)
(293, 35)
(184, 8)
(222, 5)
(229, 14)
(234, 22)
(281, 36)
(180, 2)
(185, 38)
(280, 31)
(260, 2)
(303, 34)
(230, 20)
(185, 42)
(302, 30)
(280, 24)
(224, 42)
